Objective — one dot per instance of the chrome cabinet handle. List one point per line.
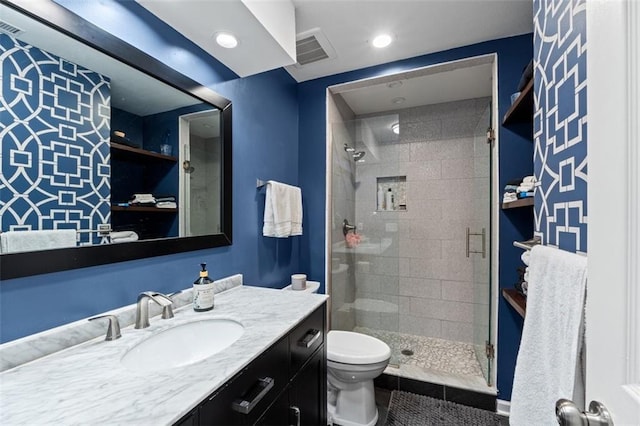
(310, 338)
(483, 234)
(568, 414)
(247, 402)
(296, 414)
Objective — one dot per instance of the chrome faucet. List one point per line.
(142, 307)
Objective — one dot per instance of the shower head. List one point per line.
(348, 148)
(357, 156)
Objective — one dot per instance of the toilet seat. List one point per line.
(355, 348)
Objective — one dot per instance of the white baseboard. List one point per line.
(503, 407)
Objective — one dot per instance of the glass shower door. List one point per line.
(365, 248)
(479, 245)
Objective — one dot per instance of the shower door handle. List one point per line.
(482, 234)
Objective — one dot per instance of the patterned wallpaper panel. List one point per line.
(560, 123)
(54, 157)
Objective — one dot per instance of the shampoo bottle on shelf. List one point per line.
(389, 199)
(380, 199)
(203, 291)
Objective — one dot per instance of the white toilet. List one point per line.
(353, 361)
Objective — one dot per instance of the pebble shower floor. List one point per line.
(429, 353)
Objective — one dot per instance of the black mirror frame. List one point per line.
(16, 265)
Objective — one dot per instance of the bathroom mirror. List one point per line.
(91, 128)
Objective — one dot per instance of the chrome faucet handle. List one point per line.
(113, 329)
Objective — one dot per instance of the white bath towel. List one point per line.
(123, 236)
(17, 241)
(551, 338)
(282, 210)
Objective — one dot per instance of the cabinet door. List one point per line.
(278, 413)
(308, 393)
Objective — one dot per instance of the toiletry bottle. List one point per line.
(203, 291)
(380, 199)
(389, 200)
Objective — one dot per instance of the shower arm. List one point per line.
(346, 227)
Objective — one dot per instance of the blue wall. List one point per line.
(265, 145)
(516, 152)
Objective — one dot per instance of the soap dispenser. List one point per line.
(203, 291)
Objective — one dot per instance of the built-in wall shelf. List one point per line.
(127, 150)
(521, 111)
(516, 300)
(523, 202)
(397, 186)
(142, 209)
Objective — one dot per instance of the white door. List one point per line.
(613, 287)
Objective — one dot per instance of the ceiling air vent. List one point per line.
(313, 46)
(7, 28)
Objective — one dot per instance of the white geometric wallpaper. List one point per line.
(560, 123)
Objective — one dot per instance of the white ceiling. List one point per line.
(346, 28)
(417, 26)
(407, 90)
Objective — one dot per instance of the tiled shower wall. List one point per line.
(411, 271)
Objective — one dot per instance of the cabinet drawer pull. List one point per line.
(310, 338)
(246, 403)
(296, 414)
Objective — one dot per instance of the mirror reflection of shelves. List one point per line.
(118, 149)
(391, 193)
(145, 209)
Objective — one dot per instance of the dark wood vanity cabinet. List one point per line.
(285, 385)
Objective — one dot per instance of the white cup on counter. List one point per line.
(298, 281)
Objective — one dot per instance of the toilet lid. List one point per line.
(355, 348)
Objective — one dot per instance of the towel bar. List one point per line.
(260, 183)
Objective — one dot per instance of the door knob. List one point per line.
(568, 414)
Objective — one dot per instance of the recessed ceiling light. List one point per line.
(393, 84)
(226, 40)
(382, 40)
(399, 100)
(395, 128)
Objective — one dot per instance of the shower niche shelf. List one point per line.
(398, 186)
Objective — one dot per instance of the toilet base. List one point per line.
(354, 406)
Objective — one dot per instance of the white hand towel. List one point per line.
(123, 236)
(17, 241)
(551, 337)
(282, 210)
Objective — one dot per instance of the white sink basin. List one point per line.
(183, 345)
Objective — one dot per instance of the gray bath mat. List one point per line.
(408, 409)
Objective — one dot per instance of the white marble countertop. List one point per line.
(86, 384)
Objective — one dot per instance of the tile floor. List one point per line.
(383, 396)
